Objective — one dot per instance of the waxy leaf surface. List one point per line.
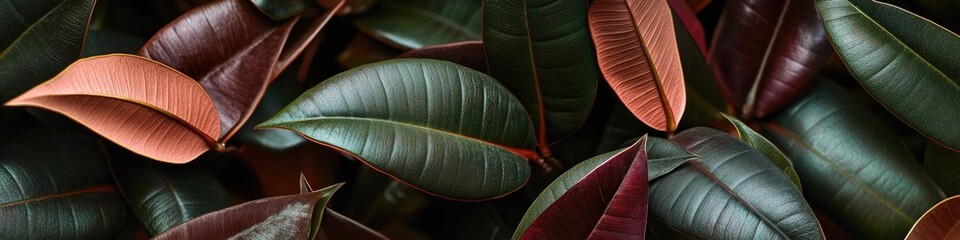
(412, 24)
(469, 54)
(135, 102)
(769, 150)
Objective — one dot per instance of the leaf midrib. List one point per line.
(752, 94)
(664, 102)
(104, 188)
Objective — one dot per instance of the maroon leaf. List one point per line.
(468, 53)
(608, 203)
(767, 52)
(689, 20)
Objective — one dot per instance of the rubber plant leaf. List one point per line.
(638, 55)
(686, 22)
(38, 39)
(155, 111)
(413, 24)
(940, 222)
(283, 217)
(280, 10)
(350, 7)
(767, 53)
(541, 51)
(662, 157)
(698, 5)
(335, 225)
(855, 168)
(767, 148)
(469, 54)
(163, 195)
(440, 127)
(742, 195)
(52, 177)
(943, 165)
(363, 49)
(915, 76)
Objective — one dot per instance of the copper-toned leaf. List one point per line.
(469, 54)
(767, 52)
(637, 53)
(140, 104)
(283, 217)
(610, 202)
(940, 222)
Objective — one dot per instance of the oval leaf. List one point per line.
(56, 185)
(413, 24)
(469, 54)
(38, 38)
(854, 167)
(731, 192)
(886, 49)
(767, 53)
(638, 55)
(758, 142)
(154, 110)
(541, 51)
(940, 222)
(438, 126)
(283, 217)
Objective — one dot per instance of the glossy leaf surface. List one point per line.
(731, 192)
(412, 24)
(279, 10)
(154, 110)
(234, 62)
(767, 52)
(469, 54)
(438, 126)
(855, 167)
(541, 51)
(56, 27)
(943, 166)
(163, 196)
(767, 148)
(940, 222)
(909, 64)
(56, 185)
(283, 217)
(638, 55)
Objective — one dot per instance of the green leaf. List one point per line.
(663, 156)
(542, 51)
(164, 195)
(38, 38)
(909, 64)
(657, 230)
(279, 10)
(731, 192)
(943, 166)
(758, 142)
(853, 166)
(100, 42)
(438, 126)
(56, 185)
(412, 24)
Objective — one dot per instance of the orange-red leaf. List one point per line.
(942, 221)
(142, 105)
(638, 55)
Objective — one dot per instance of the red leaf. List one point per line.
(690, 21)
(940, 222)
(697, 5)
(469, 54)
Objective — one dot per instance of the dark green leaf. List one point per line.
(731, 192)
(56, 185)
(758, 142)
(438, 126)
(909, 64)
(412, 24)
(281, 9)
(943, 166)
(100, 42)
(658, 230)
(853, 166)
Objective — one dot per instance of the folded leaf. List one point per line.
(469, 54)
(758, 142)
(38, 38)
(56, 186)
(731, 192)
(412, 24)
(141, 105)
(854, 167)
(541, 51)
(940, 222)
(767, 53)
(637, 53)
(905, 62)
(438, 126)
(283, 217)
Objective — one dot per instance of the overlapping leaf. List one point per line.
(907, 63)
(853, 166)
(412, 24)
(767, 52)
(940, 222)
(637, 53)
(943, 165)
(155, 111)
(336, 226)
(758, 142)
(350, 7)
(56, 186)
(469, 54)
(541, 51)
(438, 126)
(279, 10)
(38, 38)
